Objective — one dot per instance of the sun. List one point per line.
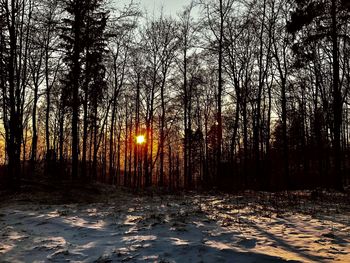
(140, 139)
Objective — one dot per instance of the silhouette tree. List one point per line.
(323, 19)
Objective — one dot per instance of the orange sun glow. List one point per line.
(140, 139)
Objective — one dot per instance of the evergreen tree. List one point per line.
(84, 42)
(322, 20)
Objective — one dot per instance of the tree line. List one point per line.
(227, 93)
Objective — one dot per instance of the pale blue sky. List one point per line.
(171, 7)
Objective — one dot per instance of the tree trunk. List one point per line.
(337, 101)
(75, 89)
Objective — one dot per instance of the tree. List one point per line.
(218, 11)
(15, 43)
(282, 60)
(323, 24)
(72, 36)
(188, 37)
(94, 84)
(83, 38)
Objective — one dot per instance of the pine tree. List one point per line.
(322, 20)
(95, 84)
(83, 40)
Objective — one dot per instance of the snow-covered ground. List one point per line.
(187, 228)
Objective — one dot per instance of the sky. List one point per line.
(171, 7)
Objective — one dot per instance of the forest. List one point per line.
(219, 132)
(232, 94)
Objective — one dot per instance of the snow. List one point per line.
(176, 228)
